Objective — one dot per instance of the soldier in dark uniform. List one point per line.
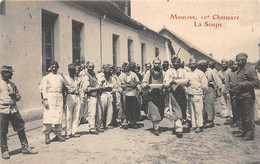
(245, 82)
(155, 95)
(9, 112)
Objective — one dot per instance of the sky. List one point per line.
(234, 37)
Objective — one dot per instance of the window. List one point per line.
(2, 7)
(130, 49)
(115, 48)
(48, 20)
(76, 41)
(143, 51)
(157, 52)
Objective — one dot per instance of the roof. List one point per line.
(113, 12)
(187, 43)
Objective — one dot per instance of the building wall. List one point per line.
(110, 27)
(183, 51)
(21, 42)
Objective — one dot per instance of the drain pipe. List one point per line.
(102, 18)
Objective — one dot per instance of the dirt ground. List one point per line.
(215, 145)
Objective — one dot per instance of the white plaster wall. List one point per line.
(109, 28)
(21, 42)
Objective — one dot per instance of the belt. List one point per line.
(72, 93)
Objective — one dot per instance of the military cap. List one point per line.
(111, 65)
(132, 64)
(224, 61)
(91, 63)
(202, 62)
(6, 68)
(106, 66)
(54, 63)
(192, 60)
(71, 66)
(157, 59)
(165, 62)
(176, 58)
(242, 56)
(212, 64)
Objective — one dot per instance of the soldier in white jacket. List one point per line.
(73, 102)
(52, 87)
(195, 88)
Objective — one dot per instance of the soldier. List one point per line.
(118, 71)
(107, 82)
(214, 83)
(118, 96)
(129, 83)
(92, 89)
(148, 66)
(195, 89)
(9, 95)
(156, 96)
(245, 82)
(231, 79)
(52, 88)
(165, 66)
(73, 102)
(177, 96)
(137, 71)
(224, 101)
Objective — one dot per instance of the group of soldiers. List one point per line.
(115, 96)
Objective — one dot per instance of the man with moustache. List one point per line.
(195, 89)
(231, 80)
(129, 83)
(52, 87)
(107, 83)
(92, 91)
(165, 66)
(214, 83)
(177, 96)
(245, 82)
(9, 96)
(224, 104)
(156, 96)
(73, 102)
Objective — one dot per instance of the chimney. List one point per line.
(127, 7)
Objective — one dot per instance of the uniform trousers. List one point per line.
(73, 106)
(107, 106)
(95, 112)
(18, 126)
(196, 110)
(131, 109)
(245, 114)
(176, 113)
(209, 108)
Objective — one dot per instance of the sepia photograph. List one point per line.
(129, 81)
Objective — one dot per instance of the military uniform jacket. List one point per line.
(245, 81)
(7, 102)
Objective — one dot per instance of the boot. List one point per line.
(179, 134)
(93, 131)
(198, 130)
(156, 132)
(28, 150)
(6, 155)
(47, 139)
(59, 138)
